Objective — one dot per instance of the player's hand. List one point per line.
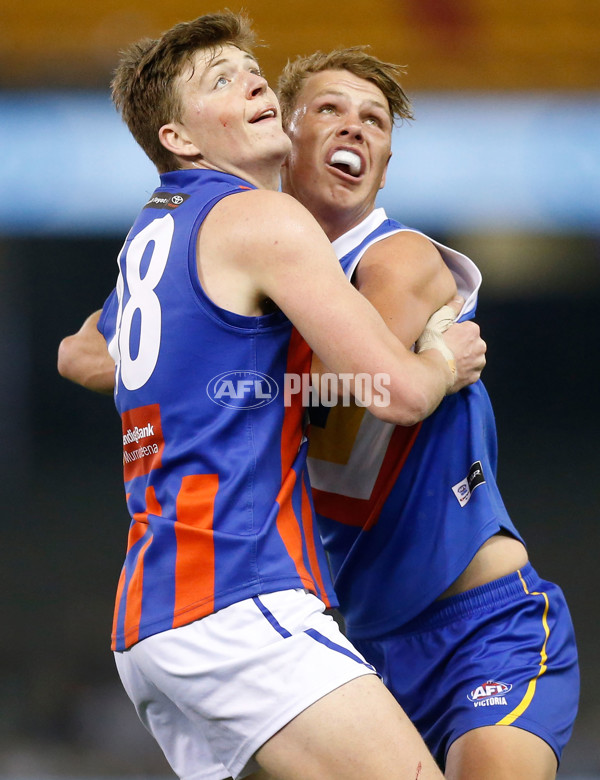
(469, 350)
(460, 343)
(435, 327)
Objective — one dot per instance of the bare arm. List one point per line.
(406, 279)
(277, 251)
(83, 358)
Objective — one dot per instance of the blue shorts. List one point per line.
(500, 654)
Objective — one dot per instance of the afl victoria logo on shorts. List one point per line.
(489, 694)
(242, 389)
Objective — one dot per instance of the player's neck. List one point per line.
(264, 176)
(335, 221)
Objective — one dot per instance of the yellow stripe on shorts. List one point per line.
(530, 692)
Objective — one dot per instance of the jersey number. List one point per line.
(136, 371)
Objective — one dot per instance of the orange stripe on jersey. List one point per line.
(299, 357)
(120, 587)
(140, 520)
(195, 566)
(289, 529)
(364, 513)
(133, 611)
(307, 521)
(298, 362)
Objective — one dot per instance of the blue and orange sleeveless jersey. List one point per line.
(402, 511)
(214, 454)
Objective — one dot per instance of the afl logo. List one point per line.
(489, 689)
(242, 389)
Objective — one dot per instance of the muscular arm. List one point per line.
(277, 251)
(83, 358)
(406, 279)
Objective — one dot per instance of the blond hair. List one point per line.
(356, 60)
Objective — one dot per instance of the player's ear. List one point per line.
(383, 177)
(174, 137)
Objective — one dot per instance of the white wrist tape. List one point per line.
(431, 338)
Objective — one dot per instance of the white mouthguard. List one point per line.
(344, 157)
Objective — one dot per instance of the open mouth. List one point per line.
(347, 162)
(268, 113)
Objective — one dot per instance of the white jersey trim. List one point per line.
(466, 274)
(356, 478)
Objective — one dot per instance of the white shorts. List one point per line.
(213, 692)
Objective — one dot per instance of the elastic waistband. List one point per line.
(492, 594)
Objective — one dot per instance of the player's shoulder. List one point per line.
(402, 250)
(406, 241)
(270, 205)
(257, 220)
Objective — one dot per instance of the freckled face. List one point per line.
(341, 133)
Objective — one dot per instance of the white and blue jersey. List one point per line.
(402, 512)
(419, 501)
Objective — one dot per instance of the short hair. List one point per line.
(143, 87)
(356, 60)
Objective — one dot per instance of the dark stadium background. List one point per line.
(62, 710)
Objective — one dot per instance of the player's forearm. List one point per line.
(89, 371)
(416, 390)
(371, 364)
(403, 396)
(83, 358)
